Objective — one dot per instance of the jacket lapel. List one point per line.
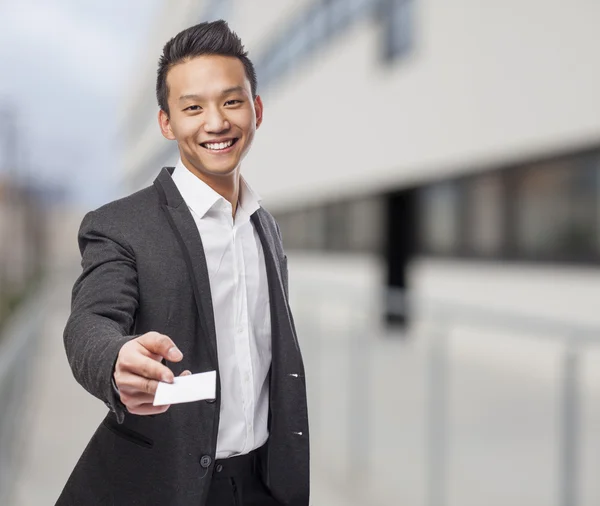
(283, 331)
(271, 256)
(185, 230)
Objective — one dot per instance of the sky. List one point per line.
(64, 68)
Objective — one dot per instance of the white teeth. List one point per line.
(220, 145)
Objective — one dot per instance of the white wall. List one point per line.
(485, 83)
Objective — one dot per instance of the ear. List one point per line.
(258, 107)
(165, 125)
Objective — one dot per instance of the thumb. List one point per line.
(186, 373)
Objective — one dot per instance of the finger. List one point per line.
(186, 373)
(133, 383)
(134, 398)
(146, 352)
(148, 409)
(161, 345)
(140, 365)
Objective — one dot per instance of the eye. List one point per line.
(239, 101)
(191, 108)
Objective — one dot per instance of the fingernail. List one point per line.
(174, 352)
(166, 378)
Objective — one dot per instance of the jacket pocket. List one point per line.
(128, 434)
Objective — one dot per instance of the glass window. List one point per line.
(439, 210)
(398, 27)
(337, 226)
(485, 214)
(358, 9)
(593, 165)
(367, 225)
(556, 209)
(299, 229)
(217, 9)
(298, 41)
(316, 234)
(284, 225)
(338, 14)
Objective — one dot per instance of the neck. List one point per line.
(228, 186)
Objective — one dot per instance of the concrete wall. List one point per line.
(485, 84)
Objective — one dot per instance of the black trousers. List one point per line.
(237, 481)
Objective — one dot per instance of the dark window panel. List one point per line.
(439, 209)
(485, 215)
(367, 224)
(337, 226)
(556, 210)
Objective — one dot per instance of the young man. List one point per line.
(185, 276)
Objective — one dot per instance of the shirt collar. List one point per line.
(201, 197)
(248, 200)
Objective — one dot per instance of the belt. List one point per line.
(237, 465)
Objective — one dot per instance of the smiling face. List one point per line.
(211, 115)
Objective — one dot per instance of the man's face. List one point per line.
(210, 99)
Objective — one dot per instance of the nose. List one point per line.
(215, 121)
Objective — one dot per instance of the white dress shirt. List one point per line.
(240, 296)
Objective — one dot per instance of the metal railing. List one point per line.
(571, 335)
(17, 347)
(360, 320)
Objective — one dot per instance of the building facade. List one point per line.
(453, 141)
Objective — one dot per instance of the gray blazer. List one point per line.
(144, 269)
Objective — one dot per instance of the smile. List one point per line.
(219, 147)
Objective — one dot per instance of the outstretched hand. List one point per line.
(139, 369)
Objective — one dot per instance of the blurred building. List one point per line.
(13, 256)
(459, 143)
(21, 243)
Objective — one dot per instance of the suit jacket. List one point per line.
(144, 269)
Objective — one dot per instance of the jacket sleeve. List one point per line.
(104, 302)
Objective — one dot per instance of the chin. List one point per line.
(220, 171)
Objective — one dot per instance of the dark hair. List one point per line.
(204, 38)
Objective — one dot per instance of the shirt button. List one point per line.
(240, 330)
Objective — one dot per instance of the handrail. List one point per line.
(16, 346)
(399, 303)
(446, 315)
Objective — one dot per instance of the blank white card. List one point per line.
(195, 387)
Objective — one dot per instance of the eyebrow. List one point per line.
(226, 91)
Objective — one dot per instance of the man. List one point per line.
(185, 276)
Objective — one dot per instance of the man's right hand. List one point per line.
(139, 369)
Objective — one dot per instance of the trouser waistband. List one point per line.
(237, 466)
